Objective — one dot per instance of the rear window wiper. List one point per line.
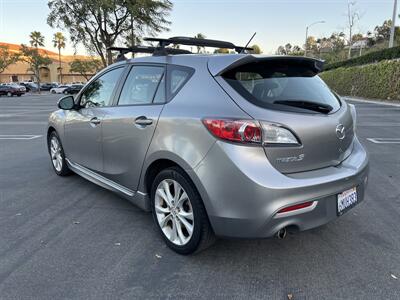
(314, 106)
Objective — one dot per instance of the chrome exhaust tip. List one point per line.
(281, 234)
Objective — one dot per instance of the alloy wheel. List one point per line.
(174, 212)
(55, 152)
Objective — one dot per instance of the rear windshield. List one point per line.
(285, 86)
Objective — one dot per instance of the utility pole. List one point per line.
(305, 45)
(391, 41)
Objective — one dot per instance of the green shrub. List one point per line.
(379, 81)
(390, 53)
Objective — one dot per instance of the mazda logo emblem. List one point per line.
(340, 132)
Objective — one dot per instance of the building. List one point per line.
(20, 72)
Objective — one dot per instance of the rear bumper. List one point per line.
(242, 192)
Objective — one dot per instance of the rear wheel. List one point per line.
(57, 155)
(179, 212)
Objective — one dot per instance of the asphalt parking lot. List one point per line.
(68, 238)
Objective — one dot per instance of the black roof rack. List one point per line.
(162, 48)
(146, 49)
(189, 41)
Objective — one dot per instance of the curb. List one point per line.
(383, 102)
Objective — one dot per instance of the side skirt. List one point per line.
(138, 198)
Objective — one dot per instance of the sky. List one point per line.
(276, 22)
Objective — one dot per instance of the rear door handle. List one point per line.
(95, 121)
(143, 121)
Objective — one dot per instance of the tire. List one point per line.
(9, 94)
(53, 92)
(57, 156)
(19, 95)
(182, 242)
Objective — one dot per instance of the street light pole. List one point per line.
(391, 41)
(305, 45)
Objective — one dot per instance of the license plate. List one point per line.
(346, 200)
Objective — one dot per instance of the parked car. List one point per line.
(59, 89)
(238, 145)
(18, 85)
(47, 86)
(30, 86)
(73, 89)
(11, 90)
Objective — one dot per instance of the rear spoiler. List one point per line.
(218, 65)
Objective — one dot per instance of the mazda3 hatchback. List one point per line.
(237, 145)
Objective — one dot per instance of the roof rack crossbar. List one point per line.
(188, 41)
(146, 49)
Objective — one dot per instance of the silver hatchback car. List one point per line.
(236, 145)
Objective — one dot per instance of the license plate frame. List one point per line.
(346, 200)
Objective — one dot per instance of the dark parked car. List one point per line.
(73, 89)
(30, 86)
(10, 90)
(47, 86)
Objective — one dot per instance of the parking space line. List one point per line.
(384, 140)
(18, 136)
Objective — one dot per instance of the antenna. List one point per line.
(244, 48)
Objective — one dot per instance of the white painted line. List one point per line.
(384, 140)
(383, 124)
(386, 103)
(18, 136)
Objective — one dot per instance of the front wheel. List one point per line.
(179, 213)
(57, 155)
(9, 94)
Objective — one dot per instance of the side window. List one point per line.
(141, 85)
(99, 92)
(177, 77)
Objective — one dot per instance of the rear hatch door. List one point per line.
(287, 92)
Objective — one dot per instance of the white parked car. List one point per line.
(59, 90)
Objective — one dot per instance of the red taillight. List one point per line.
(241, 131)
(296, 207)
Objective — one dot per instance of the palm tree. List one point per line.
(199, 36)
(59, 43)
(37, 39)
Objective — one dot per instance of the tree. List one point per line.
(352, 17)
(281, 50)
(199, 36)
(86, 68)
(7, 58)
(35, 61)
(221, 51)
(59, 43)
(312, 44)
(256, 49)
(382, 33)
(36, 39)
(357, 37)
(100, 24)
(288, 48)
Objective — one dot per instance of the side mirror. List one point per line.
(66, 103)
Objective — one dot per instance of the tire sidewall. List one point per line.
(195, 200)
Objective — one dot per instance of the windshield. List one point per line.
(286, 86)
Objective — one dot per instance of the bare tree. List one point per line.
(352, 16)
